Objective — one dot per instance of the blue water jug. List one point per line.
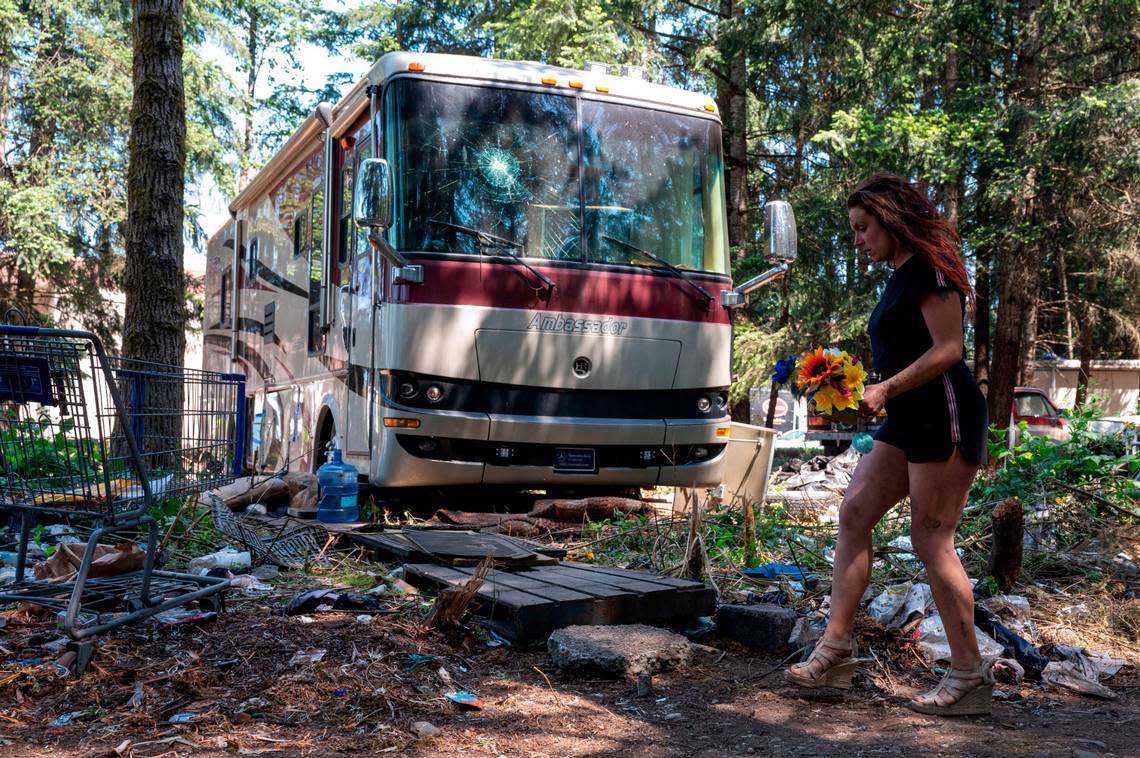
(338, 488)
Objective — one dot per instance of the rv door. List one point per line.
(364, 295)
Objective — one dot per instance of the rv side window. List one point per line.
(298, 234)
(224, 299)
(251, 258)
(346, 237)
(316, 337)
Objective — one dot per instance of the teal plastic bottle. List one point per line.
(338, 488)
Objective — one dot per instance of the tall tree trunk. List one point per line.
(1019, 259)
(734, 107)
(155, 322)
(246, 172)
(1088, 332)
(1063, 280)
(1029, 364)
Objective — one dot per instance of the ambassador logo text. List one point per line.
(559, 322)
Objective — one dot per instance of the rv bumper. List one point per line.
(465, 448)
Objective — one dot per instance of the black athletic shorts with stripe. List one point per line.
(928, 421)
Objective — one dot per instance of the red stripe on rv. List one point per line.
(577, 290)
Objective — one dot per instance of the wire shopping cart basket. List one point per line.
(89, 436)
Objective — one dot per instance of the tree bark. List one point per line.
(1063, 281)
(1088, 331)
(733, 98)
(1020, 259)
(155, 321)
(1029, 364)
(1007, 523)
(246, 172)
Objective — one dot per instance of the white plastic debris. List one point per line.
(900, 603)
(1013, 609)
(425, 729)
(250, 585)
(307, 656)
(226, 558)
(932, 640)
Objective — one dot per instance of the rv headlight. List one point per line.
(721, 400)
(407, 390)
(704, 405)
(433, 393)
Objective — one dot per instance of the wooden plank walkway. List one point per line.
(527, 605)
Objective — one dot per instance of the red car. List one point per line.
(1034, 407)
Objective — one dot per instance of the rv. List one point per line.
(477, 272)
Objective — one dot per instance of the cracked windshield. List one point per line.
(480, 169)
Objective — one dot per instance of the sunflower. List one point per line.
(815, 368)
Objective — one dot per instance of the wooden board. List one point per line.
(456, 548)
(526, 605)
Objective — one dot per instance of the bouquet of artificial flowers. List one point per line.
(831, 379)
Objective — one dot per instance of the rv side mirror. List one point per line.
(372, 201)
(780, 224)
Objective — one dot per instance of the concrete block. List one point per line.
(762, 627)
(622, 650)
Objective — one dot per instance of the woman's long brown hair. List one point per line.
(912, 220)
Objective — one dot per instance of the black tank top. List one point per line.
(898, 330)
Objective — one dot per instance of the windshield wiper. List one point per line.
(486, 239)
(653, 257)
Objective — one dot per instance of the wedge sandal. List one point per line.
(831, 664)
(960, 693)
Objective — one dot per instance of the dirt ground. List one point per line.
(237, 678)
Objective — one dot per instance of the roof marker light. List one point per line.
(416, 66)
(710, 107)
(602, 88)
(402, 423)
(549, 80)
(576, 85)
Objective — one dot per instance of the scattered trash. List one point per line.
(900, 603)
(364, 618)
(465, 700)
(311, 656)
(137, 698)
(444, 676)
(699, 629)
(416, 660)
(319, 601)
(109, 560)
(340, 692)
(250, 585)
(425, 729)
(185, 717)
(932, 640)
(1008, 670)
(1013, 609)
(1013, 645)
(772, 597)
(1070, 676)
(399, 586)
(644, 686)
(805, 632)
(179, 616)
(1078, 611)
(266, 572)
(66, 719)
(774, 571)
(227, 558)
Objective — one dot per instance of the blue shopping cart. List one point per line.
(90, 437)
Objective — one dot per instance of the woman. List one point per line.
(930, 447)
